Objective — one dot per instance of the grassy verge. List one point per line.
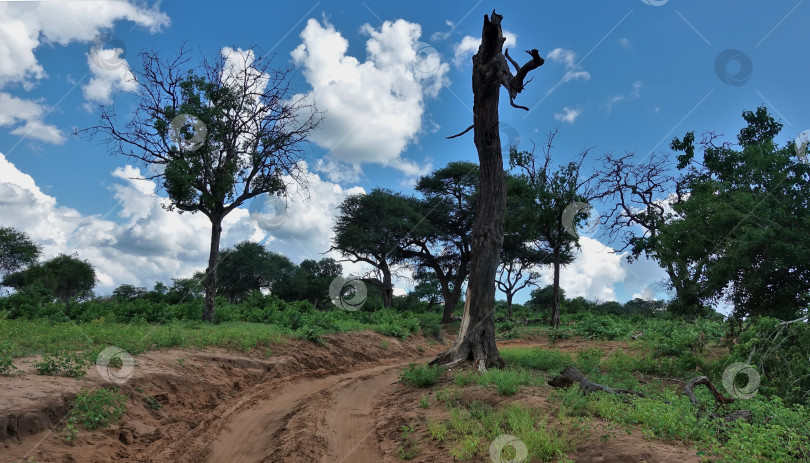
(479, 429)
(778, 432)
(22, 337)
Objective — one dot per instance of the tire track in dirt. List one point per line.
(329, 419)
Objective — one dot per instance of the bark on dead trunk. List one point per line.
(476, 337)
(211, 273)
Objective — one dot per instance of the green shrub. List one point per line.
(310, 333)
(70, 364)
(552, 361)
(420, 375)
(7, 358)
(99, 408)
(430, 325)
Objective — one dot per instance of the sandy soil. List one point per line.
(305, 403)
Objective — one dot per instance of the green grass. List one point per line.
(420, 375)
(506, 381)
(98, 408)
(535, 358)
(473, 428)
(778, 433)
(31, 337)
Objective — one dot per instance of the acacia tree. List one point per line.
(213, 135)
(65, 277)
(249, 266)
(441, 242)
(372, 228)
(522, 249)
(476, 336)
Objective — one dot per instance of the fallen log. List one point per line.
(702, 380)
(719, 397)
(571, 375)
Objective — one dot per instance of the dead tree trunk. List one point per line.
(476, 336)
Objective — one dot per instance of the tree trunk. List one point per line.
(452, 296)
(211, 273)
(449, 304)
(387, 290)
(509, 296)
(555, 299)
(476, 336)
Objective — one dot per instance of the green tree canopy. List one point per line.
(441, 240)
(215, 135)
(555, 194)
(742, 231)
(17, 250)
(65, 277)
(372, 229)
(249, 266)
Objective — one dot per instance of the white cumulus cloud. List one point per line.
(27, 26)
(568, 115)
(373, 109)
(573, 71)
(593, 274)
(110, 73)
(464, 50)
(139, 242)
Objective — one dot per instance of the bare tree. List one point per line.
(476, 336)
(213, 135)
(642, 194)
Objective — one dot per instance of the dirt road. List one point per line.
(337, 403)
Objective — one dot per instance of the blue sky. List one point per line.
(620, 76)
